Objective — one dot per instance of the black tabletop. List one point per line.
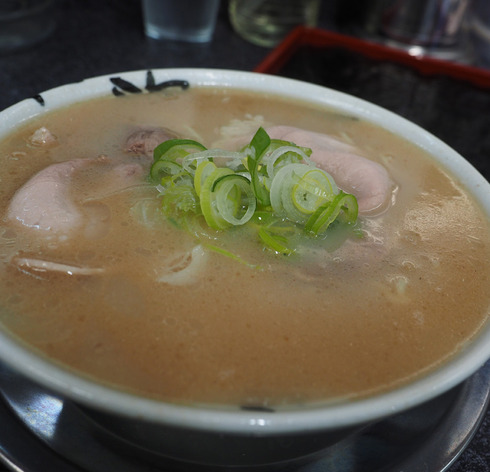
(97, 37)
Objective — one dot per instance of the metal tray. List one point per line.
(42, 431)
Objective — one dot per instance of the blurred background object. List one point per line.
(25, 22)
(267, 22)
(422, 27)
(427, 23)
(479, 24)
(181, 20)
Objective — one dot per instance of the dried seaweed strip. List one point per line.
(39, 99)
(257, 408)
(150, 80)
(183, 84)
(117, 92)
(125, 85)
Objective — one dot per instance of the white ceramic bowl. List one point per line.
(167, 425)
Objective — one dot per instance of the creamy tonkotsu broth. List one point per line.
(373, 314)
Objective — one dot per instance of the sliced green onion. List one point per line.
(179, 198)
(282, 156)
(259, 144)
(174, 149)
(344, 204)
(208, 201)
(203, 170)
(231, 255)
(232, 159)
(349, 207)
(162, 168)
(234, 195)
(314, 189)
(274, 241)
(181, 178)
(271, 186)
(297, 190)
(224, 154)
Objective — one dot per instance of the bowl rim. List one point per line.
(317, 417)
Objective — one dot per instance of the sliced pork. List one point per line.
(44, 202)
(353, 173)
(51, 203)
(143, 141)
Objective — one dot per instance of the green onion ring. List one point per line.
(326, 214)
(162, 168)
(174, 149)
(208, 202)
(229, 205)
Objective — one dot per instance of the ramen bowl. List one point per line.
(223, 436)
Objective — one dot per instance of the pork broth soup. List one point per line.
(96, 278)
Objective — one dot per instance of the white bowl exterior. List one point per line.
(321, 417)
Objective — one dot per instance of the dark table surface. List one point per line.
(97, 37)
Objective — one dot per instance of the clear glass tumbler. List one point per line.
(267, 22)
(180, 20)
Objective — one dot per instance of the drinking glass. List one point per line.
(181, 20)
(267, 22)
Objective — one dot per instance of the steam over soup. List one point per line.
(96, 277)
